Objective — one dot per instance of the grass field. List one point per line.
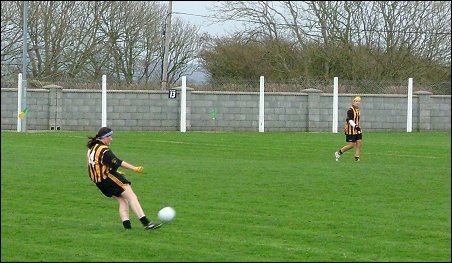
(238, 197)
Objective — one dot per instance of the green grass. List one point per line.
(238, 197)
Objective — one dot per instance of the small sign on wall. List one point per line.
(172, 93)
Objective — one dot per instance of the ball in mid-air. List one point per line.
(166, 214)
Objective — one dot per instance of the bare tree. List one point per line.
(11, 37)
(88, 39)
(184, 49)
(258, 17)
(121, 24)
(347, 33)
(85, 40)
(49, 24)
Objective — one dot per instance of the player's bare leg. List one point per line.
(358, 149)
(341, 151)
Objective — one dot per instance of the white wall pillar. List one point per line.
(104, 100)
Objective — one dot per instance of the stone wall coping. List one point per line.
(311, 90)
(52, 86)
(421, 92)
(180, 88)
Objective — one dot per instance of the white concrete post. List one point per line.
(104, 100)
(335, 103)
(183, 105)
(261, 105)
(409, 111)
(19, 102)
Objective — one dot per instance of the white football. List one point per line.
(166, 214)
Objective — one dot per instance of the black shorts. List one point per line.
(353, 137)
(114, 185)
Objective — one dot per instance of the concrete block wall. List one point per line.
(381, 112)
(131, 110)
(224, 111)
(38, 101)
(439, 112)
(56, 108)
(239, 111)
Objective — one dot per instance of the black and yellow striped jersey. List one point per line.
(354, 114)
(101, 162)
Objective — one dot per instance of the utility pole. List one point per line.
(167, 36)
(24, 64)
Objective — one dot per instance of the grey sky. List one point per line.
(194, 12)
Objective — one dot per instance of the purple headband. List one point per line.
(107, 135)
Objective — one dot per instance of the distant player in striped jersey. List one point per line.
(103, 170)
(353, 133)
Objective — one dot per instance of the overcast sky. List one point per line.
(193, 13)
(194, 10)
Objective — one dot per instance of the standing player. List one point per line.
(103, 170)
(353, 133)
